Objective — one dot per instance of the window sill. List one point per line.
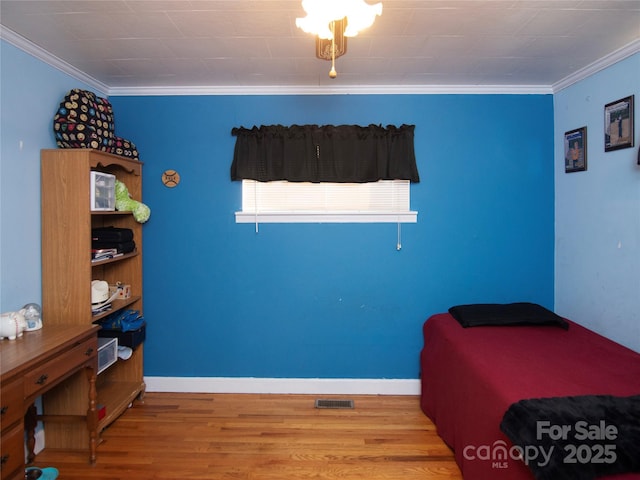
(327, 217)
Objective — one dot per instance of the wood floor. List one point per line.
(264, 437)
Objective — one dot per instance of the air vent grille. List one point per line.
(320, 403)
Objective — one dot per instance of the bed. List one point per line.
(476, 378)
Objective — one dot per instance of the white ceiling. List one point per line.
(129, 44)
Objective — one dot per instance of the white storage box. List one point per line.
(103, 191)
(123, 294)
(107, 353)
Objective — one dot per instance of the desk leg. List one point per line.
(30, 422)
(92, 414)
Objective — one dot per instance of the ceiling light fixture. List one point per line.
(333, 20)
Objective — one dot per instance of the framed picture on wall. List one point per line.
(618, 124)
(575, 150)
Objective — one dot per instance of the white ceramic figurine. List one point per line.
(12, 324)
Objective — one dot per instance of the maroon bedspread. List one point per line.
(470, 377)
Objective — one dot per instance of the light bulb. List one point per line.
(320, 13)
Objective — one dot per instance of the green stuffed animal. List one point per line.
(125, 203)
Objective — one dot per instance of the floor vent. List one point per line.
(334, 403)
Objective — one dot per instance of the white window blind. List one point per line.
(385, 201)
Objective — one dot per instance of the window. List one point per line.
(337, 174)
(384, 201)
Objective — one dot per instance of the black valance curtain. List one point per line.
(312, 153)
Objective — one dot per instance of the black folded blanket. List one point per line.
(579, 437)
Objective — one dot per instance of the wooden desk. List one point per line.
(32, 365)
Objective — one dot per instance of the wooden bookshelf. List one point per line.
(67, 272)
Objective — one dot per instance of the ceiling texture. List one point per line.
(245, 45)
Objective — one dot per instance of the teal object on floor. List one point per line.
(36, 473)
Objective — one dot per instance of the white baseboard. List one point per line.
(327, 386)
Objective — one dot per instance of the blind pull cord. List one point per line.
(255, 204)
(399, 244)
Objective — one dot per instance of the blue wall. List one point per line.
(305, 300)
(327, 300)
(30, 92)
(598, 211)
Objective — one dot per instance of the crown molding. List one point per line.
(333, 90)
(38, 52)
(598, 65)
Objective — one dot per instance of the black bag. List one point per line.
(112, 234)
(113, 237)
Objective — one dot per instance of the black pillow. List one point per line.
(506, 314)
